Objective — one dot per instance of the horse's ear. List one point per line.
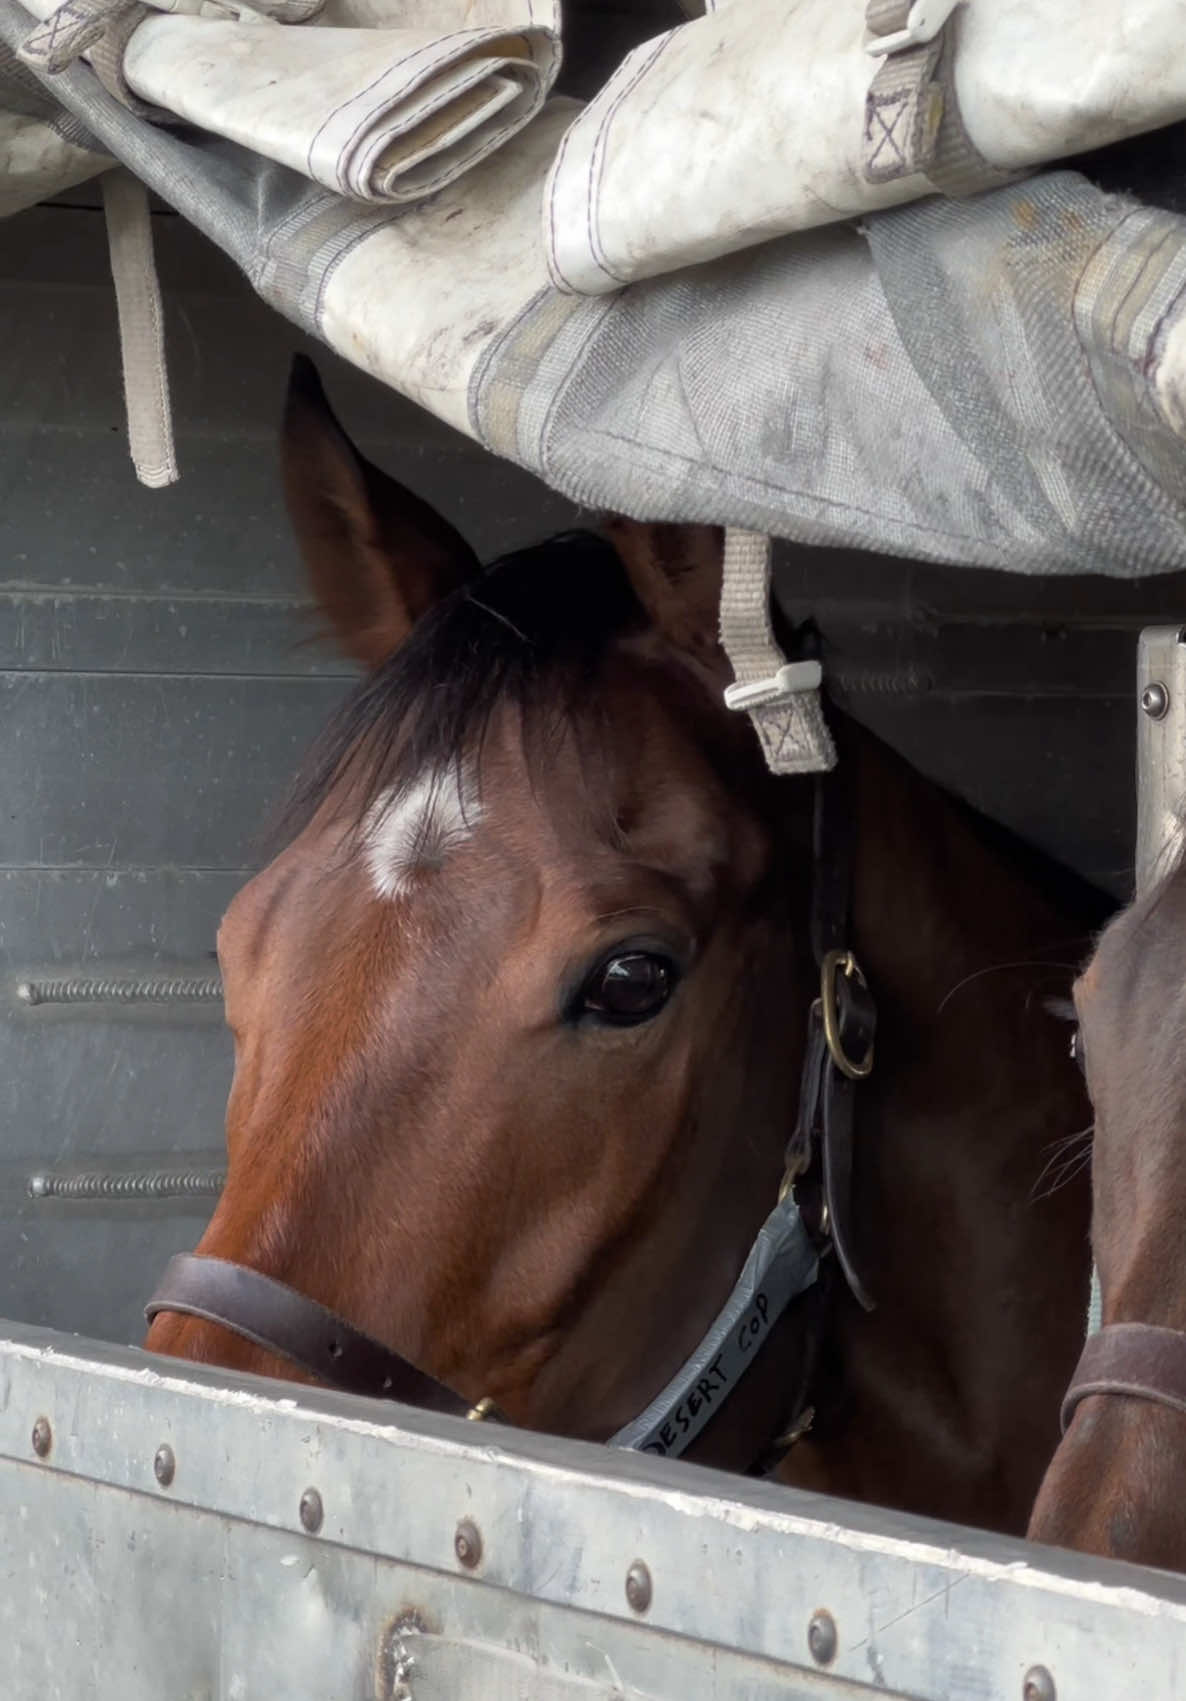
(676, 574)
(377, 556)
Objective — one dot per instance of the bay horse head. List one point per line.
(512, 1050)
(1115, 1484)
(523, 1010)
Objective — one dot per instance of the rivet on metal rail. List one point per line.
(1155, 700)
(638, 1586)
(467, 1543)
(822, 1639)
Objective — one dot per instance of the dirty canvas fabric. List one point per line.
(771, 116)
(380, 100)
(43, 149)
(749, 122)
(998, 381)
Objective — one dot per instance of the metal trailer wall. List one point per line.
(158, 684)
(159, 680)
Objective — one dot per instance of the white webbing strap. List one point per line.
(101, 29)
(781, 698)
(76, 26)
(141, 328)
(912, 117)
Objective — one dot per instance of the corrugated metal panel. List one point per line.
(160, 676)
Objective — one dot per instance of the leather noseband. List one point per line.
(286, 1322)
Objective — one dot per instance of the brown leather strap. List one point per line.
(832, 1106)
(1136, 1359)
(283, 1321)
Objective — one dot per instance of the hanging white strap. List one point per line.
(141, 328)
(781, 698)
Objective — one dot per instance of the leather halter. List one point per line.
(841, 1028)
(839, 1054)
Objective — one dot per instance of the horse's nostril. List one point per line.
(386, 1385)
(335, 1349)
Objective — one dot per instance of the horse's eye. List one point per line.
(628, 989)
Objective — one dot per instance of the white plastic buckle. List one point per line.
(791, 680)
(923, 22)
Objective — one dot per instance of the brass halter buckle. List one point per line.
(836, 963)
(485, 1408)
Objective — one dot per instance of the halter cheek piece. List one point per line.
(783, 1263)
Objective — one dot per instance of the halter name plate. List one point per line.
(782, 1263)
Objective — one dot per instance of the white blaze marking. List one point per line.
(417, 827)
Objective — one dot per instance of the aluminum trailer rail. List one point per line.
(178, 1534)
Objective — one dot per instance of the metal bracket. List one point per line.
(923, 22)
(1161, 784)
(791, 680)
(1161, 747)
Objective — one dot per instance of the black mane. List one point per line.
(531, 629)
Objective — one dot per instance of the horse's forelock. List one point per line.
(531, 630)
